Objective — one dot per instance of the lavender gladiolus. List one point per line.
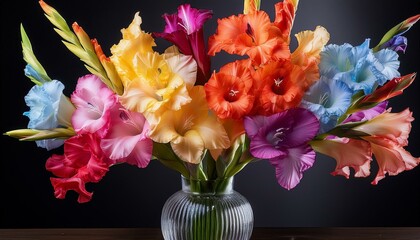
(397, 43)
(282, 138)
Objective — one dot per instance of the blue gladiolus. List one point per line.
(49, 109)
(328, 99)
(359, 67)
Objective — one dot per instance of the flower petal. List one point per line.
(62, 185)
(356, 154)
(394, 126)
(121, 147)
(189, 147)
(391, 157)
(289, 170)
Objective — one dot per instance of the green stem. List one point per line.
(209, 186)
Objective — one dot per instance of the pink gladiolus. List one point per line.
(83, 162)
(394, 126)
(127, 139)
(93, 101)
(389, 133)
(385, 136)
(392, 158)
(349, 153)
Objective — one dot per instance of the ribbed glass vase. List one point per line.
(207, 210)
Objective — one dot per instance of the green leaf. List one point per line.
(347, 130)
(241, 157)
(79, 43)
(36, 134)
(165, 155)
(30, 58)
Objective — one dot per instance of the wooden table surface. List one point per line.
(405, 233)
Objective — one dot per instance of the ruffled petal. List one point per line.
(261, 148)
(394, 126)
(185, 67)
(356, 154)
(310, 44)
(62, 185)
(391, 157)
(289, 170)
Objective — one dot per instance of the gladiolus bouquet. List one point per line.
(273, 103)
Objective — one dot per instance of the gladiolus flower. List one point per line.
(283, 138)
(250, 34)
(349, 153)
(278, 86)
(49, 109)
(397, 43)
(229, 92)
(83, 162)
(192, 129)
(127, 139)
(365, 70)
(135, 42)
(94, 102)
(306, 55)
(328, 100)
(387, 133)
(185, 30)
(391, 157)
(392, 88)
(285, 15)
(153, 82)
(393, 126)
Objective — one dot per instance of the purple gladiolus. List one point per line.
(185, 30)
(397, 43)
(282, 138)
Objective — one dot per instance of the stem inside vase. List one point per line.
(211, 187)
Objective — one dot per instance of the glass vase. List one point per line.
(207, 210)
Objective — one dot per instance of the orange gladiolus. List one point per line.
(250, 34)
(285, 15)
(229, 92)
(279, 87)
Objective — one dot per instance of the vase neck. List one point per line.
(208, 187)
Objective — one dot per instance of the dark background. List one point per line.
(132, 197)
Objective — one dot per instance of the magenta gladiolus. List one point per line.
(283, 138)
(185, 30)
